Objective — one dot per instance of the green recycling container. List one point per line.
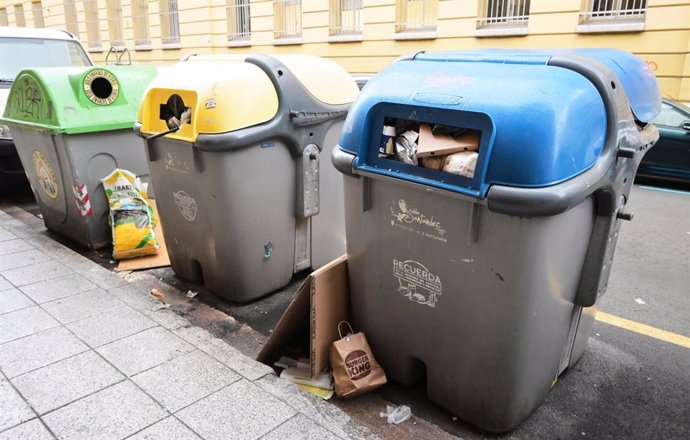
(73, 126)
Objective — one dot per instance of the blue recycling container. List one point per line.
(485, 278)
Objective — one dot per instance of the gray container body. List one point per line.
(229, 217)
(78, 162)
(483, 303)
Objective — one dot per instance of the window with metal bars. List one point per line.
(345, 17)
(19, 19)
(4, 20)
(71, 20)
(238, 19)
(140, 23)
(37, 13)
(416, 15)
(93, 27)
(614, 10)
(287, 18)
(114, 9)
(503, 13)
(170, 23)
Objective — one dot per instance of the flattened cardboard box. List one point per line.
(322, 301)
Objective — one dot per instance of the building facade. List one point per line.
(366, 35)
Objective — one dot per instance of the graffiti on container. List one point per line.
(417, 283)
(409, 218)
(28, 100)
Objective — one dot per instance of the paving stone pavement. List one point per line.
(84, 354)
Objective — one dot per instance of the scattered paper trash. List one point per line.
(639, 301)
(191, 294)
(157, 293)
(397, 415)
(321, 386)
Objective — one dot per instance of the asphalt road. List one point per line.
(630, 384)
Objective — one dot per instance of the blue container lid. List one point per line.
(540, 124)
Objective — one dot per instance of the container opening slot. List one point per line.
(174, 112)
(438, 147)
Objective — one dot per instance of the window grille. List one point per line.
(170, 22)
(614, 10)
(345, 17)
(500, 13)
(239, 23)
(140, 22)
(37, 12)
(287, 18)
(93, 27)
(71, 20)
(19, 19)
(416, 15)
(115, 23)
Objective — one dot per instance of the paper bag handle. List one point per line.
(348, 325)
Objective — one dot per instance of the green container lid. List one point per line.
(77, 100)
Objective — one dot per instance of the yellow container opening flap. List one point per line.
(222, 96)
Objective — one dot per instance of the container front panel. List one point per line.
(482, 301)
(92, 157)
(228, 217)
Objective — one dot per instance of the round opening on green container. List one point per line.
(101, 88)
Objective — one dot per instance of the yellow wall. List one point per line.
(664, 43)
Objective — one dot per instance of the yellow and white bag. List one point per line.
(131, 217)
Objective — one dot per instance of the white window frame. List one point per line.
(170, 24)
(37, 13)
(19, 16)
(503, 18)
(345, 21)
(416, 19)
(238, 19)
(140, 25)
(287, 22)
(621, 16)
(114, 16)
(93, 26)
(71, 19)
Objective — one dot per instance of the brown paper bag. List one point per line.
(355, 371)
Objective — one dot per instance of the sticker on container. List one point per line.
(83, 202)
(44, 174)
(409, 218)
(101, 87)
(417, 283)
(186, 204)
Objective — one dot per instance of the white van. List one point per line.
(27, 47)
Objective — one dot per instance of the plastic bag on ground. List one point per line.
(396, 415)
(131, 217)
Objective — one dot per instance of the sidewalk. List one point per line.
(85, 354)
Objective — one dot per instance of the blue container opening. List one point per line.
(413, 116)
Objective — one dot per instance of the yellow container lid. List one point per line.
(223, 95)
